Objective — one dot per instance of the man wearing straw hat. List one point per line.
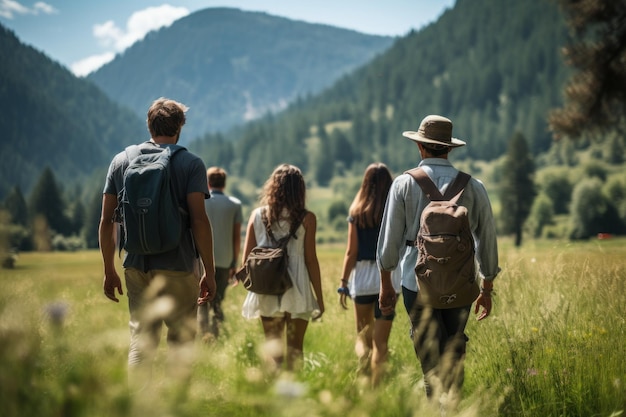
(438, 334)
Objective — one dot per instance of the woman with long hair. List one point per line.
(360, 277)
(285, 318)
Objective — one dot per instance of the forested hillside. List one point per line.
(230, 66)
(493, 66)
(51, 118)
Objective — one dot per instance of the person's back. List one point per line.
(285, 318)
(225, 214)
(152, 279)
(435, 331)
(360, 276)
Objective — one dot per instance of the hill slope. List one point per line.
(51, 118)
(493, 66)
(230, 66)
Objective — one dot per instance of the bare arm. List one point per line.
(387, 297)
(203, 237)
(349, 261)
(107, 240)
(250, 241)
(310, 259)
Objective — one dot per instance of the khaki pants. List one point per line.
(155, 298)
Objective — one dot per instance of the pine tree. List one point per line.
(596, 94)
(517, 192)
(15, 204)
(46, 202)
(92, 220)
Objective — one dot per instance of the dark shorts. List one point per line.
(373, 299)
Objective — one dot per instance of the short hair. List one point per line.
(216, 177)
(436, 150)
(166, 117)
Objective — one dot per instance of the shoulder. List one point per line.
(477, 185)
(309, 219)
(186, 157)
(119, 160)
(256, 213)
(234, 200)
(402, 183)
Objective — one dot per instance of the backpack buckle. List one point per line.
(447, 299)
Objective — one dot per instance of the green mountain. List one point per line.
(50, 118)
(230, 66)
(493, 66)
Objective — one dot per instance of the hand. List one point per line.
(344, 294)
(208, 289)
(484, 300)
(317, 314)
(112, 282)
(387, 300)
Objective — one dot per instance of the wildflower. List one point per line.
(292, 389)
(56, 312)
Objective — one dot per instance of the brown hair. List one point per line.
(216, 177)
(166, 117)
(285, 190)
(436, 150)
(369, 203)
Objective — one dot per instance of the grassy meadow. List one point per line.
(555, 345)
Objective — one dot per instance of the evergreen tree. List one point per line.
(46, 202)
(15, 204)
(518, 189)
(596, 94)
(92, 220)
(324, 158)
(76, 217)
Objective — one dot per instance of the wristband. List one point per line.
(343, 290)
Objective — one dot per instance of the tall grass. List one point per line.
(554, 346)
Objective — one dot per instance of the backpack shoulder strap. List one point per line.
(292, 230)
(454, 190)
(426, 184)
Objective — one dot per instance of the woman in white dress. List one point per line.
(285, 318)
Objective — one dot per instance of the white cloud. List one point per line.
(90, 64)
(137, 26)
(43, 8)
(10, 8)
(116, 39)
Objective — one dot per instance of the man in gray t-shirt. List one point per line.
(162, 288)
(226, 217)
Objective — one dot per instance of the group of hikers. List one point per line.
(388, 252)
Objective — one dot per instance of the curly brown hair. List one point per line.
(369, 202)
(285, 191)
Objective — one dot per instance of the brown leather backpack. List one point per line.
(446, 266)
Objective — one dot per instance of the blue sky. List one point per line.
(85, 34)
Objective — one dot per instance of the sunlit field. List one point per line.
(555, 345)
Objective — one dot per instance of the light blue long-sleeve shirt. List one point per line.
(401, 221)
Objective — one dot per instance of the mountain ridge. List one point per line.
(231, 66)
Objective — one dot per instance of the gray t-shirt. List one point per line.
(224, 212)
(189, 173)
